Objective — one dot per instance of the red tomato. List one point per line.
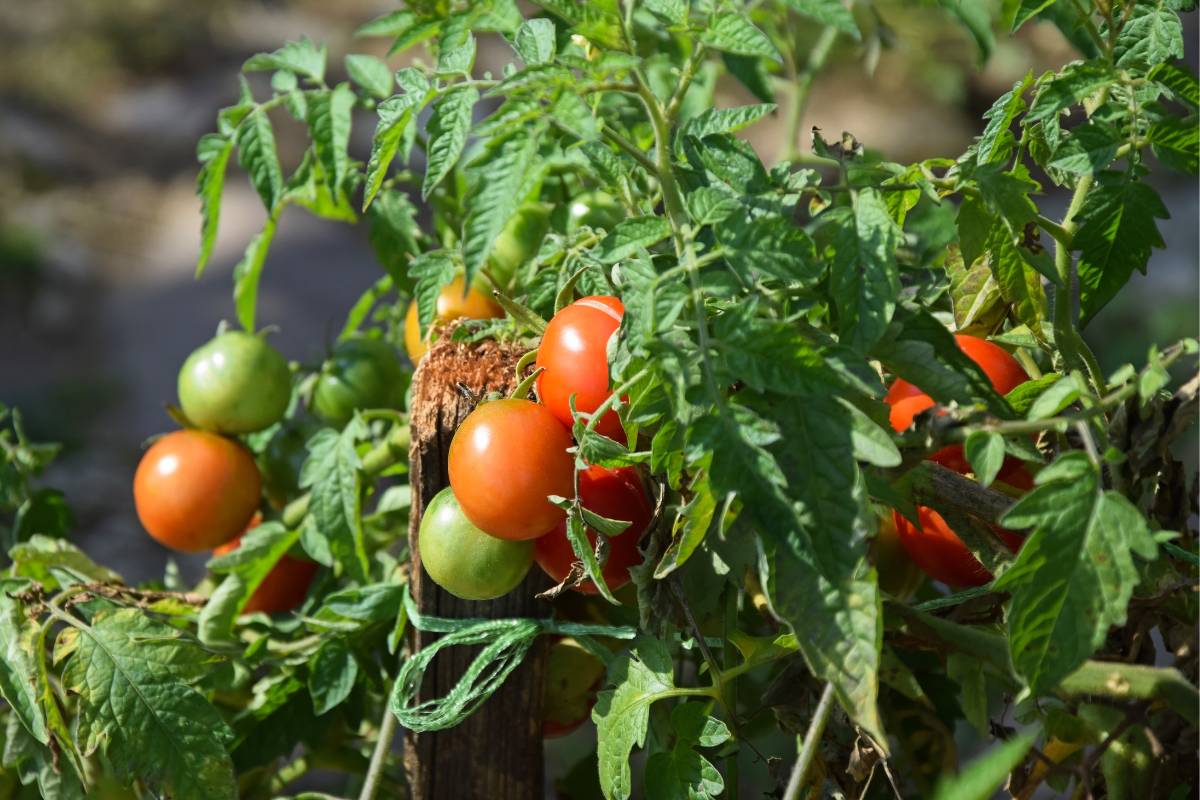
(505, 459)
(612, 493)
(574, 352)
(285, 586)
(940, 554)
(1002, 369)
(196, 490)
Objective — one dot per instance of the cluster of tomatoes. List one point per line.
(200, 488)
(932, 544)
(480, 536)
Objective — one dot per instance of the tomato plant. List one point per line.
(464, 560)
(779, 366)
(196, 490)
(506, 459)
(573, 354)
(236, 383)
(452, 303)
(284, 587)
(615, 494)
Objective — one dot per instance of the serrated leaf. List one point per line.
(245, 569)
(725, 120)
(1074, 574)
(596, 21)
(456, 49)
(43, 557)
(497, 179)
(868, 441)
(247, 273)
(1019, 281)
(833, 13)
(622, 714)
(18, 665)
(1086, 150)
(985, 453)
(370, 73)
(395, 235)
(395, 116)
(674, 12)
(213, 152)
(974, 222)
(1023, 397)
(865, 277)
(1054, 398)
(752, 74)
(734, 33)
(133, 678)
(630, 236)
(1000, 119)
(256, 154)
(431, 271)
(448, 129)
(974, 294)
(707, 205)
(1179, 81)
(1175, 142)
(329, 121)
(771, 246)
(534, 41)
(393, 24)
(976, 18)
(1152, 36)
(1070, 86)
(689, 528)
(1115, 237)
(301, 57)
(331, 674)
(1027, 10)
(333, 473)
(980, 779)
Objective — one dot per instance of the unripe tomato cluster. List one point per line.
(509, 457)
(932, 544)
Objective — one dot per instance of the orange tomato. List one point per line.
(451, 304)
(285, 586)
(574, 353)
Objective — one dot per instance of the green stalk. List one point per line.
(812, 738)
(817, 57)
(1076, 353)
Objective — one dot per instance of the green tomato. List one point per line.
(518, 243)
(236, 383)
(281, 459)
(596, 210)
(361, 373)
(464, 560)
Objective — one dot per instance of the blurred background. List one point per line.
(101, 105)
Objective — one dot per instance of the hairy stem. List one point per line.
(383, 747)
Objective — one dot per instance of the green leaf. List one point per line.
(432, 271)
(331, 674)
(974, 294)
(19, 670)
(301, 57)
(247, 273)
(1153, 35)
(44, 559)
(256, 154)
(751, 73)
(870, 442)
(1027, 10)
(132, 676)
(985, 453)
(497, 180)
(395, 115)
(1074, 575)
(1000, 118)
(1115, 237)
(1086, 150)
(333, 473)
(1007, 193)
(1019, 280)
(329, 121)
(865, 277)
(456, 49)
(976, 18)
(673, 11)
(245, 569)
(1023, 397)
(1175, 142)
(448, 128)
(534, 41)
(971, 678)
(707, 205)
(734, 33)
(1060, 394)
(597, 21)
(1070, 86)
(394, 233)
(983, 776)
(630, 236)
(213, 151)
(974, 222)
(690, 526)
(828, 12)
(372, 74)
(725, 120)
(622, 714)
(769, 245)
(1165, 684)
(1179, 81)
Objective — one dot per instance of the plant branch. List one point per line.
(383, 748)
(816, 728)
(803, 82)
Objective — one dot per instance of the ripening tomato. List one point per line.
(361, 373)
(464, 560)
(451, 304)
(196, 490)
(1004, 371)
(573, 676)
(574, 353)
(611, 493)
(236, 383)
(504, 460)
(285, 586)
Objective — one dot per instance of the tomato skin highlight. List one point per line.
(464, 560)
(451, 304)
(195, 490)
(361, 373)
(504, 460)
(594, 209)
(611, 493)
(285, 586)
(933, 545)
(574, 354)
(234, 383)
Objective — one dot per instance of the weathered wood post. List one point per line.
(496, 753)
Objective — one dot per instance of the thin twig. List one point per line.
(816, 728)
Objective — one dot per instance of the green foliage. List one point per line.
(767, 307)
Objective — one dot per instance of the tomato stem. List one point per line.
(808, 749)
